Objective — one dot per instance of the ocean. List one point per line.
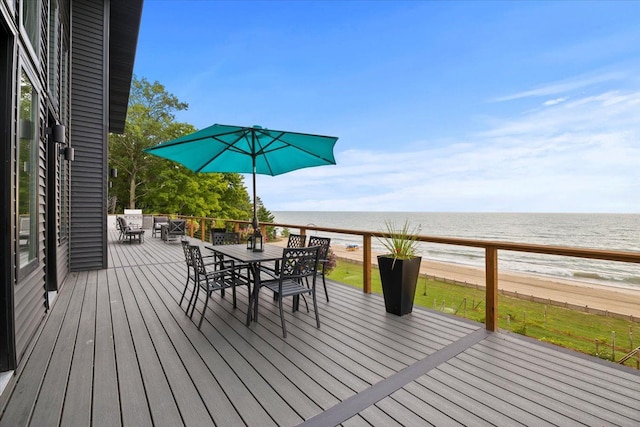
(596, 231)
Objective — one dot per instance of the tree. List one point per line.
(157, 185)
(264, 215)
(150, 120)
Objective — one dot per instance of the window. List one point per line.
(28, 172)
(31, 22)
(54, 52)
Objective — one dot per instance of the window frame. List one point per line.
(33, 261)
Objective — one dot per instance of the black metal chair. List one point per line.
(323, 255)
(224, 237)
(222, 276)
(297, 267)
(296, 241)
(191, 274)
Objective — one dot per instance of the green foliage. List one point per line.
(264, 216)
(400, 242)
(157, 185)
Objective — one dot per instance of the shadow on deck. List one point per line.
(117, 349)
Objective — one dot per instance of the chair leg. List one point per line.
(315, 308)
(194, 296)
(324, 283)
(186, 285)
(284, 327)
(204, 309)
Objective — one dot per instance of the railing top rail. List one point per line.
(579, 252)
(604, 254)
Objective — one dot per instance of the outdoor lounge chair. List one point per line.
(158, 222)
(297, 268)
(323, 255)
(128, 232)
(176, 228)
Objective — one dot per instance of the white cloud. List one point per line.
(579, 155)
(564, 86)
(551, 102)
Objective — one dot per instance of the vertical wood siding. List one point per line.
(89, 137)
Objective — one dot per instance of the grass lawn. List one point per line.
(592, 334)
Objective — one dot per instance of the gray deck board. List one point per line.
(158, 391)
(77, 404)
(48, 407)
(133, 401)
(106, 402)
(118, 349)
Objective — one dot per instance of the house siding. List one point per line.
(88, 248)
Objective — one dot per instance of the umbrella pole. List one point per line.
(253, 164)
(255, 215)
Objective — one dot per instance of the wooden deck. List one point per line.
(118, 350)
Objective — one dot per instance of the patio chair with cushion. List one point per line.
(298, 266)
(128, 232)
(218, 276)
(176, 228)
(158, 222)
(323, 255)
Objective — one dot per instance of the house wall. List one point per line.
(89, 134)
(24, 285)
(69, 83)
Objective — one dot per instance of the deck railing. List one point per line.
(491, 249)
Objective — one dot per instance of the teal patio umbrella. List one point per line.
(255, 150)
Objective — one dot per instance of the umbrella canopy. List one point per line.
(255, 150)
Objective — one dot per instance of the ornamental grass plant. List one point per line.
(400, 242)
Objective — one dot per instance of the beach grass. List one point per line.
(597, 335)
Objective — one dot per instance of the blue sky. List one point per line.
(439, 106)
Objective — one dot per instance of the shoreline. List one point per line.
(587, 296)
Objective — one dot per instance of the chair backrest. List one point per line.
(224, 237)
(160, 220)
(323, 242)
(196, 259)
(177, 227)
(187, 253)
(296, 241)
(299, 262)
(122, 223)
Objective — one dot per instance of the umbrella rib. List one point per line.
(264, 149)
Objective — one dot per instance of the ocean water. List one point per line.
(596, 231)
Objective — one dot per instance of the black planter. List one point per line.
(399, 283)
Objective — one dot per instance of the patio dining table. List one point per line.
(254, 260)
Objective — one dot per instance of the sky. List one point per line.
(439, 106)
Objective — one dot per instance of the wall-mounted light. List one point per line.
(113, 172)
(69, 154)
(57, 133)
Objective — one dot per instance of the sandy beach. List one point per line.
(621, 301)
